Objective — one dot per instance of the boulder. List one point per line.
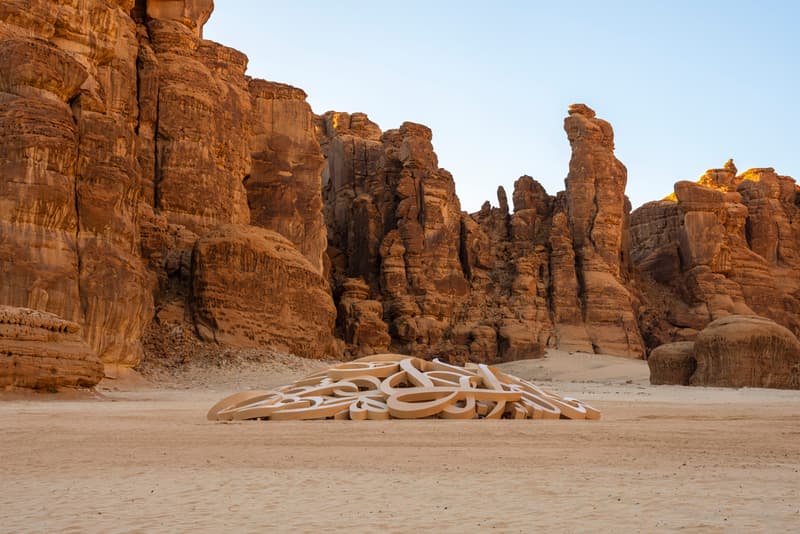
(747, 351)
(43, 351)
(672, 363)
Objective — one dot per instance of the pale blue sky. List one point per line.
(686, 84)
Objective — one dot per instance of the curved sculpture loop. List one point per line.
(397, 386)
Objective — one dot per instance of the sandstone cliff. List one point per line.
(725, 245)
(71, 178)
(490, 286)
(125, 140)
(395, 222)
(149, 185)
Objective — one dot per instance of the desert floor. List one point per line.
(136, 458)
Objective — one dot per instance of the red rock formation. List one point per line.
(492, 286)
(71, 124)
(38, 155)
(202, 142)
(125, 138)
(136, 155)
(725, 246)
(747, 351)
(557, 275)
(251, 287)
(359, 204)
(233, 141)
(192, 13)
(362, 318)
(42, 351)
(672, 363)
(284, 188)
(734, 351)
(395, 222)
(597, 214)
(570, 328)
(422, 273)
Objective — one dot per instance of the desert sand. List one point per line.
(139, 457)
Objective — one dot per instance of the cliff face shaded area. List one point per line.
(148, 184)
(126, 141)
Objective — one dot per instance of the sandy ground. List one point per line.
(662, 459)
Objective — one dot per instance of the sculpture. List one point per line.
(397, 386)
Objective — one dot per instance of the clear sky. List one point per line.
(686, 84)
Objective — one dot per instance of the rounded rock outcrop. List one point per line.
(40, 350)
(672, 363)
(747, 351)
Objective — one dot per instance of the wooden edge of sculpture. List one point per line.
(397, 386)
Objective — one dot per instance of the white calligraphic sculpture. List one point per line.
(396, 386)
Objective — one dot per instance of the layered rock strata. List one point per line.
(251, 287)
(747, 351)
(72, 183)
(672, 363)
(40, 350)
(284, 188)
(147, 181)
(494, 285)
(734, 351)
(395, 222)
(725, 245)
(597, 211)
(125, 138)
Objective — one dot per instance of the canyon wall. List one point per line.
(126, 143)
(727, 244)
(150, 186)
(490, 286)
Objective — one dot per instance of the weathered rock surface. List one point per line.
(597, 211)
(725, 245)
(251, 287)
(734, 351)
(42, 351)
(284, 188)
(191, 13)
(124, 138)
(147, 181)
(672, 363)
(747, 351)
(202, 142)
(362, 318)
(72, 184)
(494, 285)
(395, 222)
